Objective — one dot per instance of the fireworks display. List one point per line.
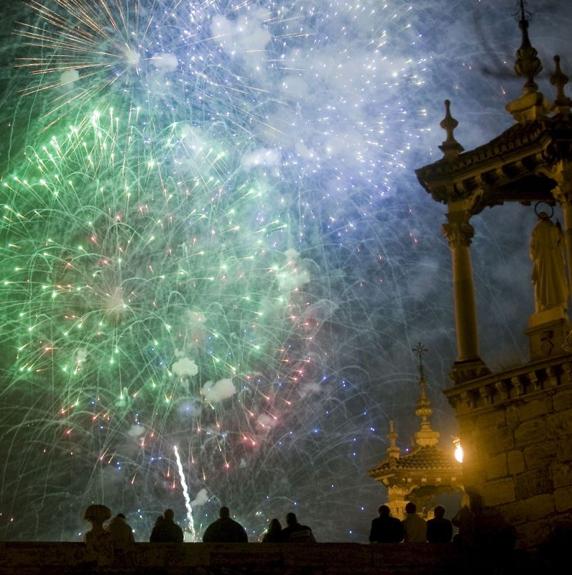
(215, 258)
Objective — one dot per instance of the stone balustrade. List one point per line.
(498, 389)
(37, 558)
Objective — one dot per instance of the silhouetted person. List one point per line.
(439, 529)
(166, 530)
(495, 538)
(555, 551)
(157, 532)
(121, 532)
(274, 532)
(488, 539)
(122, 540)
(464, 520)
(295, 532)
(98, 544)
(173, 533)
(225, 530)
(414, 528)
(385, 529)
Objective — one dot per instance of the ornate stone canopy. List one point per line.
(529, 162)
(517, 166)
(514, 424)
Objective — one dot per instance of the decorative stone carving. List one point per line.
(458, 233)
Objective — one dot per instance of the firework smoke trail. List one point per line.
(211, 238)
(190, 521)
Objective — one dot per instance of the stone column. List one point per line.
(459, 233)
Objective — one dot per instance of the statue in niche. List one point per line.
(548, 264)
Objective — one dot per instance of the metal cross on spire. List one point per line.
(527, 63)
(419, 350)
(523, 11)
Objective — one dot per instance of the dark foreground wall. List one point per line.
(239, 559)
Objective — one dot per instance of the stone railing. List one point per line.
(499, 388)
(238, 559)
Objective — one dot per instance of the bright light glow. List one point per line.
(459, 453)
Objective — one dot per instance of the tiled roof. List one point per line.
(518, 137)
(422, 458)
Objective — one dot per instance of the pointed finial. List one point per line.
(425, 437)
(559, 80)
(419, 350)
(393, 451)
(450, 147)
(527, 63)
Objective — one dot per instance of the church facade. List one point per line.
(516, 425)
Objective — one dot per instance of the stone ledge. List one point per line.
(251, 559)
(527, 383)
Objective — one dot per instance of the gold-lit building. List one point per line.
(424, 471)
(516, 425)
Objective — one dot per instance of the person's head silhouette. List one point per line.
(291, 519)
(383, 511)
(439, 512)
(410, 508)
(274, 525)
(224, 512)
(169, 515)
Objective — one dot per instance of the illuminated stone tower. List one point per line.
(426, 470)
(516, 425)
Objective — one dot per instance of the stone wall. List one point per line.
(516, 430)
(238, 559)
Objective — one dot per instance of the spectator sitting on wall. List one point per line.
(495, 538)
(414, 528)
(157, 532)
(122, 540)
(556, 549)
(487, 538)
(225, 530)
(121, 532)
(385, 529)
(464, 520)
(166, 530)
(274, 532)
(439, 529)
(295, 532)
(98, 544)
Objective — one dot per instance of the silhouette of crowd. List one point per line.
(487, 541)
(485, 538)
(226, 530)
(413, 529)
(166, 530)
(113, 543)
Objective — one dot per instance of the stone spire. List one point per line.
(559, 80)
(393, 451)
(425, 437)
(532, 104)
(527, 63)
(450, 147)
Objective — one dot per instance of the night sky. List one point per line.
(215, 257)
